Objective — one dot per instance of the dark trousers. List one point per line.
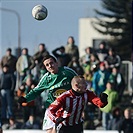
(72, 129)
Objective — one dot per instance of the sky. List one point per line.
(62, 21)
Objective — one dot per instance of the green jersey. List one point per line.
(56, 84)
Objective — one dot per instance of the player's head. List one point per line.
(50, 64)
(79, 84)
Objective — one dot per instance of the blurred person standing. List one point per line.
(71, 48)
(9, 60)
(25, 64)
(62, 57)
(102, 52)
(126, 124)
(112, 102)
(75, 65)
(94, 62)
(85, 59)
(7, 86)
(116, 117)
(118, 80)
(38, 57)
(100, 79)
(112, 60)
(27, 85)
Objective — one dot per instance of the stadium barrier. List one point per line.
(41, 131)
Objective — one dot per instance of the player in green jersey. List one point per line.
(57, 80)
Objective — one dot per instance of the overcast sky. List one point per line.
(62, 21)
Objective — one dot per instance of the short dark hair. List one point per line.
(42, 44)
(103, 42)
(9, 49)
(25, 49)
(49, 56)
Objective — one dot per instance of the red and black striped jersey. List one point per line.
(71, 107)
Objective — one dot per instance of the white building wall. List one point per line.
(87, 34)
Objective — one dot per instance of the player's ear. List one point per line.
(76, 84)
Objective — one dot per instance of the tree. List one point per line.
(118, 24)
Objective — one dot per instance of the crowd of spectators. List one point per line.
(100, 67)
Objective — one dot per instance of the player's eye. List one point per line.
(47, 65)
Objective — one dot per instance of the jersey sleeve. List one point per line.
(95, 100)
(56, 107)
(42, 85)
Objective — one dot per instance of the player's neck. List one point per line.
(76, 93)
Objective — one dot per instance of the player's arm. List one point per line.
(98, 101)
(55, 107)
(34, 92)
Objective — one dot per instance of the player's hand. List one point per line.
(22, 100)
(104, 97)
(59, 120)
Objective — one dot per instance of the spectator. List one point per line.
(7, 86)
(112, 102)
(71, 48)
(74, 64)
(57, 80)
(118, 80)
(24, 64)
(9, 60)
(102, 52)
(100, 79)
(66, 110)
(116, 114)
(11, 125)
(112, 60)
(85, 59)
(31, 123)
(27, 85)
(94, 63)
(38, 57)
(126, 124)
(85, 64)
(62, 57)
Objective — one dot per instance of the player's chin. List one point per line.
(52, 71)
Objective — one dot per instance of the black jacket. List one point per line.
(7, 81)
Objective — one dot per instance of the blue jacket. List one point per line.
(100, 79)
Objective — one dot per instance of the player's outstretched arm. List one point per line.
(98, 101)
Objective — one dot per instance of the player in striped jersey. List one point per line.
(66, 110)
(57, 80)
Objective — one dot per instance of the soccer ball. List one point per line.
(39, 12)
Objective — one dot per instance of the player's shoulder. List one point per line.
(69, 70)
(44, 76)
(88, 91)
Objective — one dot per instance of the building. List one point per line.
(88, 36)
